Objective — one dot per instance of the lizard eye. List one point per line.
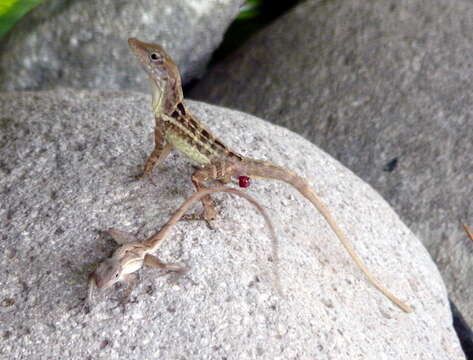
(155, 57)
(116, 275)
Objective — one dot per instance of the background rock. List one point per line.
(83, 44)
(67, 161)
(386, 88)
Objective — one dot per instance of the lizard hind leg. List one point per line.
(214, 172)
(199, 178)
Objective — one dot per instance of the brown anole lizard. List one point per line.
(176, 127)
(131, 256)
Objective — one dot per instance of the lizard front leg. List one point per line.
(160, 152)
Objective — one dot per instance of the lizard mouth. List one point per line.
(143, 52)
(139, 49)
(133, 42)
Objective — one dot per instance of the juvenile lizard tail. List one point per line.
(264, 169)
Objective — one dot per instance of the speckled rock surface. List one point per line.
(386, 88)
(67, 159)
(83, 44)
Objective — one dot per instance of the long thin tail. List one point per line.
(155, 241)
(264, 169)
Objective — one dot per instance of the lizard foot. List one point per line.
(145, 172)
(140, 176)
(201, 217)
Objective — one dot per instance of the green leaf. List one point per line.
(250, 9)
(12, 10)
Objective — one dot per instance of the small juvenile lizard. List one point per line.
(176, 127)
(131, 256)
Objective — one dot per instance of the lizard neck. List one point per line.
(157, 94)
(167, 95)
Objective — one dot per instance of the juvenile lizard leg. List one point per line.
(160, 152)
(121, 237)
(130, 281)
(154, 262)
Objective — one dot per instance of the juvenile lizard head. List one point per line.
(163, 75)
(108, 272)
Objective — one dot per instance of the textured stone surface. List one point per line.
(83, 43)
(386, 88)
(65, 174)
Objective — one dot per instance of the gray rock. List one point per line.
(83, 44)
(67, 158)
(386, 88)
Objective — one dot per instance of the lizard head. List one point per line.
(108, 272)
(163, 75)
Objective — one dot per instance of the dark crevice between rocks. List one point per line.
(463, 331)
(260, 14)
